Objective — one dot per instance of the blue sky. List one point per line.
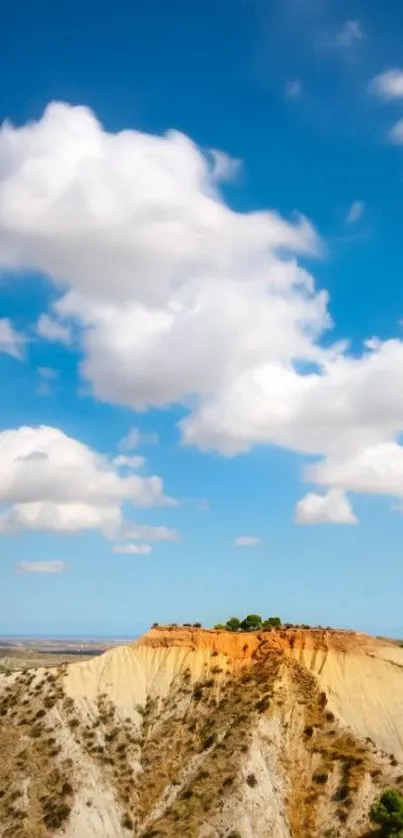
(215, 288)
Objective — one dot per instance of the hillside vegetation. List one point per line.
(232, 733)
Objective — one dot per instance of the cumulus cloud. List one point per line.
(247, 541)
(11, 341)
(355, 212)
(133, 549)
(388, 85)
(377, 469)
(178, 300)
(50, 481)
(175, 292)
(332, 508)
(42, 567)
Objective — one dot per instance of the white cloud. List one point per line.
(49, 481)
(247, 541)
(134, 438)
(133, 549)
(42, 567)
(349, 34)
(225, 168)
(396, 133)
(178, 300)
(50, 329)
(332, 508)
(346, 404)
(11, 341)
(377, 469)
(129, 462)
(355, 212)
(388, 85)
(293, 88)
(140, 532)
(175, 293)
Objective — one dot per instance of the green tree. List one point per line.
(220, 627)
(387, 812)
(252, 622)
(272, 622)
(233, 624)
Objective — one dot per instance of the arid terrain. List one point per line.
(28, 653)
(197, 733)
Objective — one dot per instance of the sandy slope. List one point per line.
(366, 691)
(362, 676)
(129, 674)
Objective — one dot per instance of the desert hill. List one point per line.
(289, 733)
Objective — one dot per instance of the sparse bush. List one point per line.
(320, 777)
(251, 780)
(56, 814)
(262, 705)
(198, 692)
(208, 742)
(67, 788)
(127, 821)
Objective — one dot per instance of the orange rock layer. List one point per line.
(245, 646)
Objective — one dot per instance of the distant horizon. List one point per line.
(55, 637)
(130, 637)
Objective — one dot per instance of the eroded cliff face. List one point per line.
(243, 646)
(204, 734)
